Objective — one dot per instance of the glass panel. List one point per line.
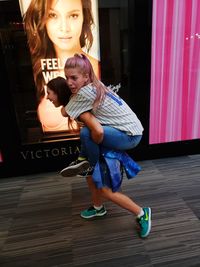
(28, 75)
(175, 71)
(113, 19)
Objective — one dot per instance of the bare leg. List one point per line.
(96, 195)
(121, 200)
(116, 197)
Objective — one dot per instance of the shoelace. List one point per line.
(90, 169)
(74, 162)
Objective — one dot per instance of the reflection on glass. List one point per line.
(1, 157)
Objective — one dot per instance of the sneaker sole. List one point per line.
(96, 215)
(149, 228)
(83, 176)
(74, 170)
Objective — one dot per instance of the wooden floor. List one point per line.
(40, 224)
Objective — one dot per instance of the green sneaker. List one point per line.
(92, 212)
(145, 222)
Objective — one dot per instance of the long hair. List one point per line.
(59, 86)
(82, 63)
(39, 43)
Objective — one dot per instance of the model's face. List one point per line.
(75, 79)
(64, 24)
(52, 96)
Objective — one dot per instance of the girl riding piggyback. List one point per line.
(119, 130)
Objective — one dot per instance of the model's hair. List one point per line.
(82, 63)
(59, 86)
(39, 42)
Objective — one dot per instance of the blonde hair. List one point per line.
(81, 62)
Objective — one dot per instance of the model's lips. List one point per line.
(65, 38)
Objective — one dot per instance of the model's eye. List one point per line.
(74, 16)
(52, 15)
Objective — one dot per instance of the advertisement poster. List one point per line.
(56, 30)
(175, 71)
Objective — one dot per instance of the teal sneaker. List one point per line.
(145, 222)
(92, 212)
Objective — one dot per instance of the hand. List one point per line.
(63, 112)
(95, 127)
(97, 136)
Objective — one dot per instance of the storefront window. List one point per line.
(37, 40)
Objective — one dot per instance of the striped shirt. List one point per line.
(113, 111)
